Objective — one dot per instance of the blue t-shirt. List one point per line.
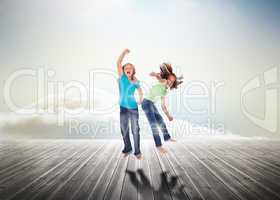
(127, 89)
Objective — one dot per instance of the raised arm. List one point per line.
(120, 59)
(164, 109)
(157, 76)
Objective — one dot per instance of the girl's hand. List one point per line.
(170, 118)
(126, 51)
(153, 74)
(140, 101)
(140, 93)
(120, 59)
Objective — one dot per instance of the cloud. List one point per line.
(45, 123)
(86, 124)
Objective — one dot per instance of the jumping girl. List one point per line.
(166, 80)
(128, 105)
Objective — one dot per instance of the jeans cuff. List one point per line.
(166, 137)
(138, 153)
(126, 151)
(158, 145)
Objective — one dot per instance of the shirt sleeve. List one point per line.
(122, 78)
(137, 84)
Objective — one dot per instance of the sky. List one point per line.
(227, 42)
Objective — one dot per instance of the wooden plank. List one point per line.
(42, 177)
(175, 184)
(249, 182)
(145, 190)
(6, 149)
(223, 174)
(200, 177)
(98, 192)
(218, 185)
(251, 160)
(82, 179)
(69, 186)
(130, 184)
(61, 176)
(22, 155)
(158, 175)
(9, 173)
(264, 159)
(261, 147)
(21, 180)
(105, 182)
(192, 191)
(84, 169)
(23, 163)
(114, 188)
(268, 184)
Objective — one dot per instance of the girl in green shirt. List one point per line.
(166, 80)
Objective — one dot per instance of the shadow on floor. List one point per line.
(169, 185)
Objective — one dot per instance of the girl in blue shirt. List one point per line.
(128, 105)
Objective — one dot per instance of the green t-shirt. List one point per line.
(158, 90)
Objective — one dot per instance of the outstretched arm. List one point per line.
(120, 59)
(157, 76)
(164, 109)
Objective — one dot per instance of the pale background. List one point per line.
(227, 41)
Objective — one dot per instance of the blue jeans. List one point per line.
(155, 120)
(132, 116)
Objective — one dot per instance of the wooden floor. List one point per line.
(209, 169)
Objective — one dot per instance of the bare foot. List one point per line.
(162, 150)
(171, 140)
(126, 154)
(139, 156)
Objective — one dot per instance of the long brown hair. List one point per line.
(167, 71)
(178, 81)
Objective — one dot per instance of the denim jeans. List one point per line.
(155, 120)
(132, 116)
